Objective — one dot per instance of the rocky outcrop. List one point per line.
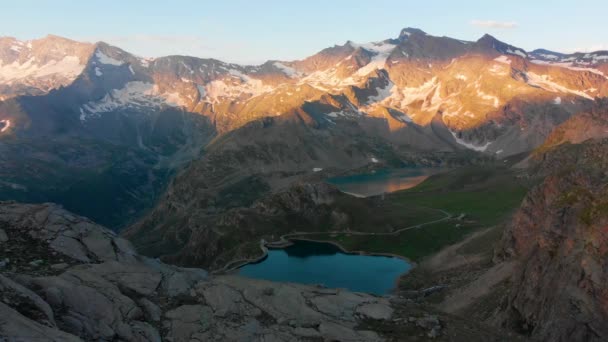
(217, 240)
(559, 238)
(591, 124)
(64, 278)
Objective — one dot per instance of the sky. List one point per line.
(251, 32)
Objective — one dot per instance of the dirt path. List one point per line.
(285, 238)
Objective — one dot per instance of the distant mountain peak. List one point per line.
(488, 39)
(489, 42)
(408, 31)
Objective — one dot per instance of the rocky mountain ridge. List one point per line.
(558, 238)
(484, 86)
(340, 131)
(394, 101)
(38, 66)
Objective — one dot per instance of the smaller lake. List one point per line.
(309, 262)
(382, 181)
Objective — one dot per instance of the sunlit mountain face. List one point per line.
(471, 174)
(63, 100)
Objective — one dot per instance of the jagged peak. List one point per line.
(488, 38)
(351, 44)
(408, 31)
(490, 42)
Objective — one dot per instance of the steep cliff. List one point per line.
(559, 237)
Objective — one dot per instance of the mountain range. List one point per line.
(67, 104)
(199, 163)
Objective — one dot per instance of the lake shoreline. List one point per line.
(383, 181)
(346, 251)
(278, 245)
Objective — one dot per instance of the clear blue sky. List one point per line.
(251, 31)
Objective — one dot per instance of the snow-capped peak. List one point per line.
(408, 31)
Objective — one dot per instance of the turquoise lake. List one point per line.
(382, 181)
(309, 262)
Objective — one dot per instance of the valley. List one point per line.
(419, 187)
(439, 212)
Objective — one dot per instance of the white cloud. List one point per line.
(494, 24)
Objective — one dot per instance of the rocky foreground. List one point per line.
(64, 278)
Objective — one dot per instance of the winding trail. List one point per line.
(284, 240)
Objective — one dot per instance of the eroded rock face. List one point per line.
(560, 237)
(96, 288)
(50, 226)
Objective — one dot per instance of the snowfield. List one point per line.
(134, 95)
(7, 125)
(104, 59)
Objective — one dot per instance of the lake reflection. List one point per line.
(383, 181)
(322, 263)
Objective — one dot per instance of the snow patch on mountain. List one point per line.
(326, 80)
(435, 101)
(134, 95)
(348, 114)
(403, 97)
(246, 86)
(145, 62)
(378, 61)
(545, 82)
(518, 52)
(17, 47)
(105, 59)
(503, 59)
(568, 65)
(187, 67)
(499, 69)
(495, 100)
(6, 124)
(69, 67)
(548, 56)
(287, 70)
(478, 148)
(382, 93)
(329, 80)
